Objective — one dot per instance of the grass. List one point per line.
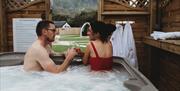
(59, 48)
(79, 42)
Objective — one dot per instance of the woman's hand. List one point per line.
(79, 52)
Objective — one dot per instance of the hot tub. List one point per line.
(136, 81)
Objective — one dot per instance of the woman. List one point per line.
(99, 50)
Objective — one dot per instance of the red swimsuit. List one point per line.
(97, 63)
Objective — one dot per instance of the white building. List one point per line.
(66, 26)
(62, 24)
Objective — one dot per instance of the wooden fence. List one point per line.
(19, 9)
(129, 10)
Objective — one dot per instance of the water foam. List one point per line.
(76, 78)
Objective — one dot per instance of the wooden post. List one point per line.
(48, 11)
(1, 25)
(100, 9)
(3, 35)
(150, 21)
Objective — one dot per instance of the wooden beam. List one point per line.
(3, 35)
(168, 45)
(1, 26)
(125, 13)
(151, 18)
(48, 11)
(100, 9)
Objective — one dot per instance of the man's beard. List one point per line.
(50, 40)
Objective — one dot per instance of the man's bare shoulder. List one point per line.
(36, 49)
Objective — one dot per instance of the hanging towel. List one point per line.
(116, 40)
(129, 45)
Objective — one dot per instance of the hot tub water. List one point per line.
(76, 78)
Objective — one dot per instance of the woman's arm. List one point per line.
(86, 54)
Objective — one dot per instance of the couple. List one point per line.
(98, 52)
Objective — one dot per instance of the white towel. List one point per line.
(129, 45)
(165, 35)
(116, 40)
(124, 45)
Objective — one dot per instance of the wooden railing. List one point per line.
(15, 5)
(134, 4)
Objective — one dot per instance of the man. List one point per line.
(37, 56)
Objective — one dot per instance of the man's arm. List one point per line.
(48, 65)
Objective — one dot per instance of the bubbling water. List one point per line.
(76, 78)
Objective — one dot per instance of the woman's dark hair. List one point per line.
(104, 30)
(42, 25)
(110, 28)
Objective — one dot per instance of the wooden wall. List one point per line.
(32, 9)
(111, 11)
(169, 63)
(169, 72)
(171, 16)
(164, 69)
(159, 63)
(164, 63)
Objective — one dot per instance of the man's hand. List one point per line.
(71, 53)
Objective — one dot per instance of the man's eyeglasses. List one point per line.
(53, 30)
